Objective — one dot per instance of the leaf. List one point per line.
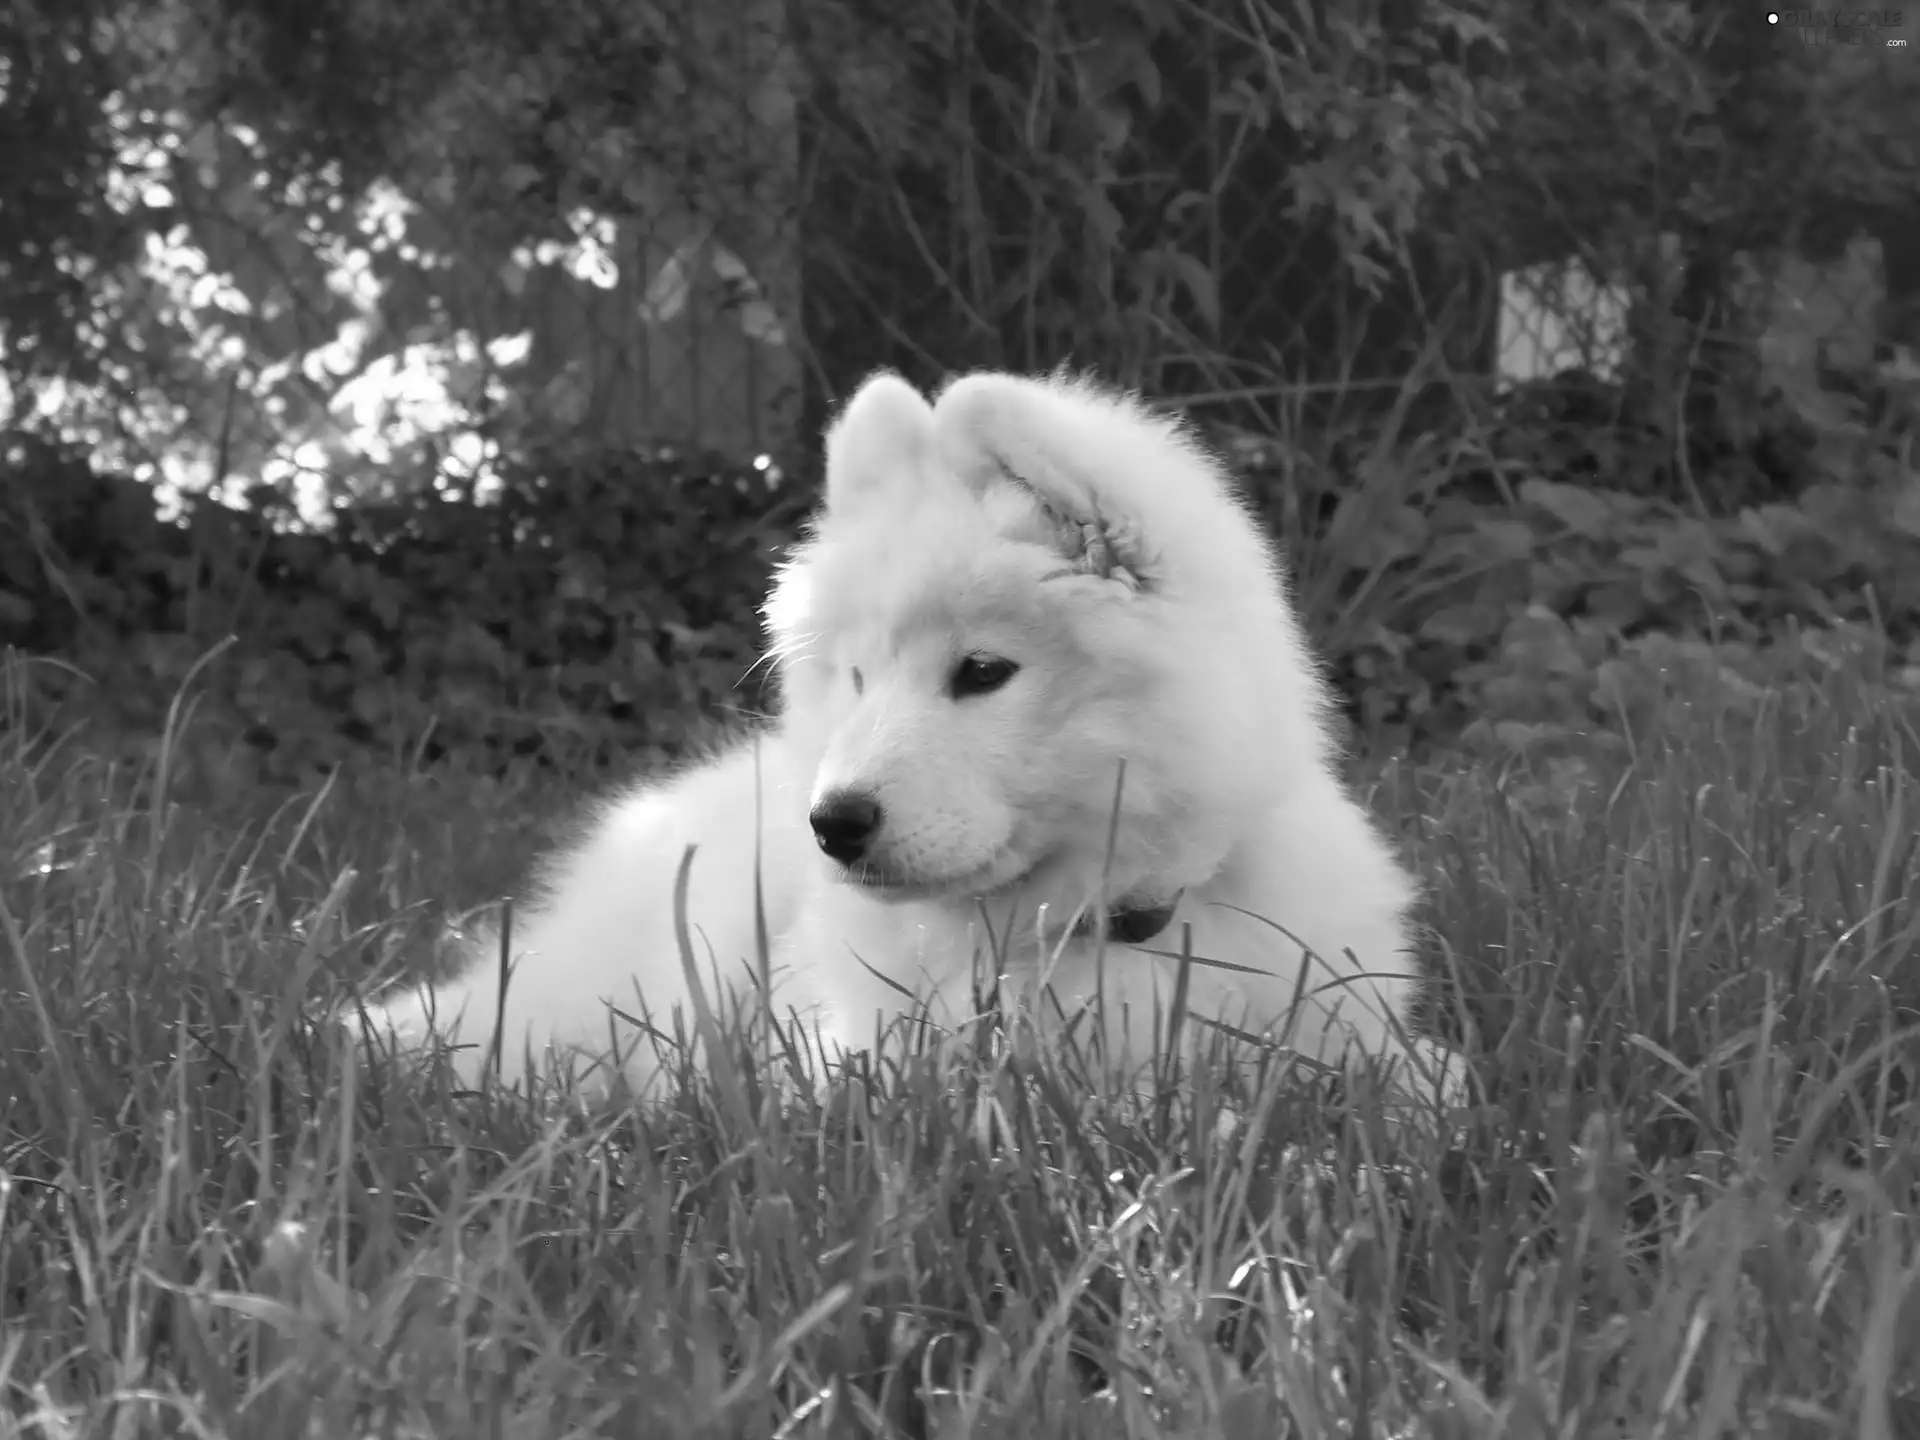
(1617, 605)
(1462, 624)
(1198, 282)
(16, 614)
(1399, 533)
(1540, 643)
(1579, 509)
(1100, 215)
(1504, 539)
(1904, 512)
(668, 292)
(520, 178)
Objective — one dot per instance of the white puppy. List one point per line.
(1009, 595)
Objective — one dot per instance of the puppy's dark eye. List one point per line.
(980, 675)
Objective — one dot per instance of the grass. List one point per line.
(1686, 966)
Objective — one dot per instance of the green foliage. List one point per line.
(576, 622)
(59, 236)
(1522, 612)
(604, 607)
(1131, 183)
(1668, 642)
(1468, 585)
(1203, 197)
(1679, 1206)
(1698, 121)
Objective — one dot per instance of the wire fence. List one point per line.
(706, 227)
(1153, 205)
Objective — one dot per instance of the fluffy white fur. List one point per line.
(1092, 543)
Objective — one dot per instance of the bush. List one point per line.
(590, 618)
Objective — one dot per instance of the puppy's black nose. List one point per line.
(843, 824)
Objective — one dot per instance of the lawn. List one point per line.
(1686, 961)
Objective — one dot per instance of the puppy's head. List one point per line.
(1020, 603)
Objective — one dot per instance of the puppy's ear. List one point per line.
(881, 438)
(1049, 438)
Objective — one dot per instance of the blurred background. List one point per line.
(462, 362)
